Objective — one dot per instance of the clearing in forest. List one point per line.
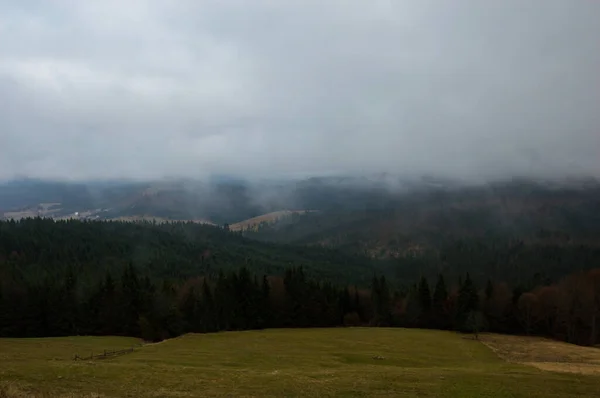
(254, 222)
(350, 362)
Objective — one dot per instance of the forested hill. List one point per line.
(430, 219)
(37, 248)
(160, 280)
(517, 232)
(34, 249)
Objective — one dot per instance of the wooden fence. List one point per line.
(103, 355)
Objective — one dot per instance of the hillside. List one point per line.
(39, 247)
(428, 217)
(515, 229)
(357, 206)
(159, 280)
(349, 362)
(269, 218)
(210, 202)
(216, 200)
(421, 220)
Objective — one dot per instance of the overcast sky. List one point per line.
(107, 88)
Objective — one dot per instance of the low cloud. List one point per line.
(146, 89)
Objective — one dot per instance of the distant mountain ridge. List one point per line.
(515, 229)
(372, 212)
(421, 218)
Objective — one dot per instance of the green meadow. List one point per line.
(344, 362)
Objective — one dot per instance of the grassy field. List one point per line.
(352, 362)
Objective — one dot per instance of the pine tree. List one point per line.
(474, 322)
(265, 303)
(67, 307)
(147, 330)
(108, 313)
(208, 321)
(223, 302)
(412, 308)
(376, 300)
(440, 294)
(131, 301)
(382, 314)
(424, 296)
(189, 310)
(345, 303)
(3, 312)
(356, 305)
(468, 301)
(441, 318)
(489, 290)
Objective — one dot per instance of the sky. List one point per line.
(151, 89)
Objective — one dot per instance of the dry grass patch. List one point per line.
(11, 390)
(545, 354)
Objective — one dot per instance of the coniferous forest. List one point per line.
(159, 281)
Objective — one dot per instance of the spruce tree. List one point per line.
(265, 303)
(3, 312)
(109, 315)
(424, 295)
(440, 294)
(68, 308)
(189, 310)
(131, 297)
(357, 305)
(376, 300)
(468, 301)
(489, 290)
(382, 302)
(208, 321)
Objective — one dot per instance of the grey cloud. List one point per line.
(149, 88)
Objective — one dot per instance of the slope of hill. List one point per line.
(220, 201)
(513, 230)
(36, 248)
(415, 224)
(295, 363)
(428, 218)
(269, 218)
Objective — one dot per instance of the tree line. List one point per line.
(567, 310)
(156, 282)
(132, 305)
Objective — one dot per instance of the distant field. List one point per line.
(46, 210)
(158, 220)
(349, 362)
(269, 217)
(42, 209)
